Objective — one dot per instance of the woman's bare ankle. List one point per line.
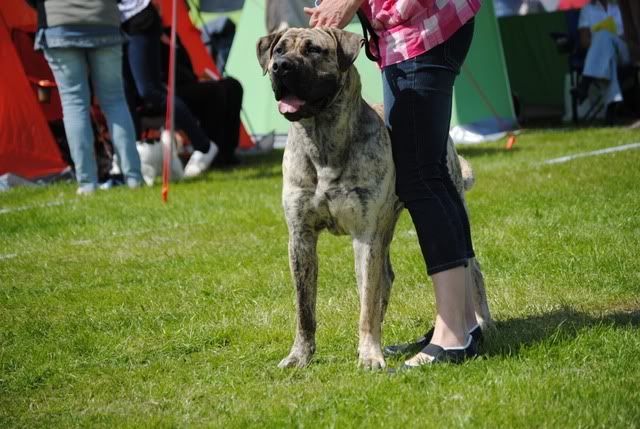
(446, 338)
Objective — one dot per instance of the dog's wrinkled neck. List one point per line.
(332, 139)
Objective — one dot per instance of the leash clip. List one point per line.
(317, 3)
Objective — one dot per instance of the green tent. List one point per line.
(482, 106)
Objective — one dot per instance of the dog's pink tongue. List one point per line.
(290, 104)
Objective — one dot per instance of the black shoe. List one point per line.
(477, 335)
(419, 344)
(433, 354)
(408, 348)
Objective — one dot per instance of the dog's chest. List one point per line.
(340, 205)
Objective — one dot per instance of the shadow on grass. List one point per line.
(470, 151)
(564, 324)
(255, 166)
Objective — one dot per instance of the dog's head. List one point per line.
(307, 67)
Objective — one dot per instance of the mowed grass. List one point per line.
(119, 311)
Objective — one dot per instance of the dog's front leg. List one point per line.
(303, 261)
(370, 263)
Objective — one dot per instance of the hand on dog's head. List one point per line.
(306, 66)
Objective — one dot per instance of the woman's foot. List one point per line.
(423, 341)
(433, 354)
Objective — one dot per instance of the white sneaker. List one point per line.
(200, 162)
(86, 189)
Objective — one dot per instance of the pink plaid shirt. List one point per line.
(408, 28)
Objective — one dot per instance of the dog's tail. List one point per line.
(468, 179)
(459, 169)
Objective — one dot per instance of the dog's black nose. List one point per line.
(282, 66)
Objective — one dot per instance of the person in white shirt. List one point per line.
(600, 30)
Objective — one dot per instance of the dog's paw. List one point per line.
(295, 360)
(372, 361)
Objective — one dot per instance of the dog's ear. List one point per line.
(347, 47)
(264, 47)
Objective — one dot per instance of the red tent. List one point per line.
(27, 147)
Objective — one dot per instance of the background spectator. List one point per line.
(143, 79)
(216, 103)
(82, 39)
(601, 30)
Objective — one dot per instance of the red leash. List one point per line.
(168, 135)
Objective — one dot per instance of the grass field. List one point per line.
(117, 311)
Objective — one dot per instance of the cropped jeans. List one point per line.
(71, 69)
(418, 101)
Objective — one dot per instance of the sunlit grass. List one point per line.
(117, 310)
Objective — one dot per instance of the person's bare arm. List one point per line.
(332, 13)
(584, 37)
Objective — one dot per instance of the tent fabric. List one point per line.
(486, 99)
(529, 7)
(27, 147)
(287, 12)
(37, 68)
(536, 69)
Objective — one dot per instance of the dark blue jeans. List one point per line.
(143, 77)
(417, 99)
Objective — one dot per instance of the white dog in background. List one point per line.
(151, 155)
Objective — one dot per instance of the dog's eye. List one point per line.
(278, 50)
(314, 49)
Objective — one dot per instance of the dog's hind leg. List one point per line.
(388, 274)
(303, 261)
(386, 284)
(370, 261)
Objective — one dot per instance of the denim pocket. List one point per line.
(456, 48)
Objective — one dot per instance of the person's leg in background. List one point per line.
(70, 69)
(130, 92)
(418, 102)
(606, 52)
(217, 105)
(144, 60)
(106, 75)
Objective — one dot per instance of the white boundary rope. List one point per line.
(568, 158)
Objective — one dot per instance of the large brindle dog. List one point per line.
(338, 175)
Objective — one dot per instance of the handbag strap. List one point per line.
(369, 34)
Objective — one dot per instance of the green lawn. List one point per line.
(119, 311)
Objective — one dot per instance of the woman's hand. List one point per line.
(332, 13)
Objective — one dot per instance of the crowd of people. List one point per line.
(115, 51)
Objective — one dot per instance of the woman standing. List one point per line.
(81, 39)
(421, 45)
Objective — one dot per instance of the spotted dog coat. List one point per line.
(338, 175)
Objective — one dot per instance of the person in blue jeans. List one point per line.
(82, 43)
(143, 79)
